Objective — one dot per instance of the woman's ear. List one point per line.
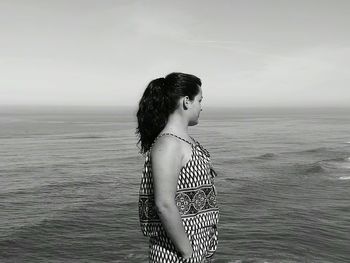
(186, 102)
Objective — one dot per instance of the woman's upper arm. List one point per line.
(166, 164)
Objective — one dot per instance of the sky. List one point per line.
(248, 53)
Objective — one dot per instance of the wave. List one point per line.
(334, 154)
(307, 169)
(314, 168)
(336, 163)
(73, 220)
(267, 156)
(339, 159)
(344, 178)
(324, 165)
(36, 231)
(315, 150)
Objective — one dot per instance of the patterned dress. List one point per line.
(196, 201)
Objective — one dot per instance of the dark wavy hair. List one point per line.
(158, 101)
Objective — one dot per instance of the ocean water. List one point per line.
(69, 180)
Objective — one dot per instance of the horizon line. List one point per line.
(208, 106)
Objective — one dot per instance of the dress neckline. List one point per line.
(169, 133)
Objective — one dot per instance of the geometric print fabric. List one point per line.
(204, 243)
(195, 199)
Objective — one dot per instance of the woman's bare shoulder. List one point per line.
(166, 145)
(166, 155)
(170, 149)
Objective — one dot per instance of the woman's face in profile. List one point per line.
(196, 108)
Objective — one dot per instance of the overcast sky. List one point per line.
(104, 52)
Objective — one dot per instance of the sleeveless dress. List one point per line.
(196, 201)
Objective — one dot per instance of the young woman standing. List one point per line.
(177, 202)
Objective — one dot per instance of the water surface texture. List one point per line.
(69, 180)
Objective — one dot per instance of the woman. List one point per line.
(177, 203)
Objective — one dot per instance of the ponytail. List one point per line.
(158, 101)
(152, 114)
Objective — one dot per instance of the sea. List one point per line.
(69, 182)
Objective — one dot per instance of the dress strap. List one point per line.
(195, 141)
(168, 133)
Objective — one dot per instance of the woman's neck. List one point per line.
(177, 124)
